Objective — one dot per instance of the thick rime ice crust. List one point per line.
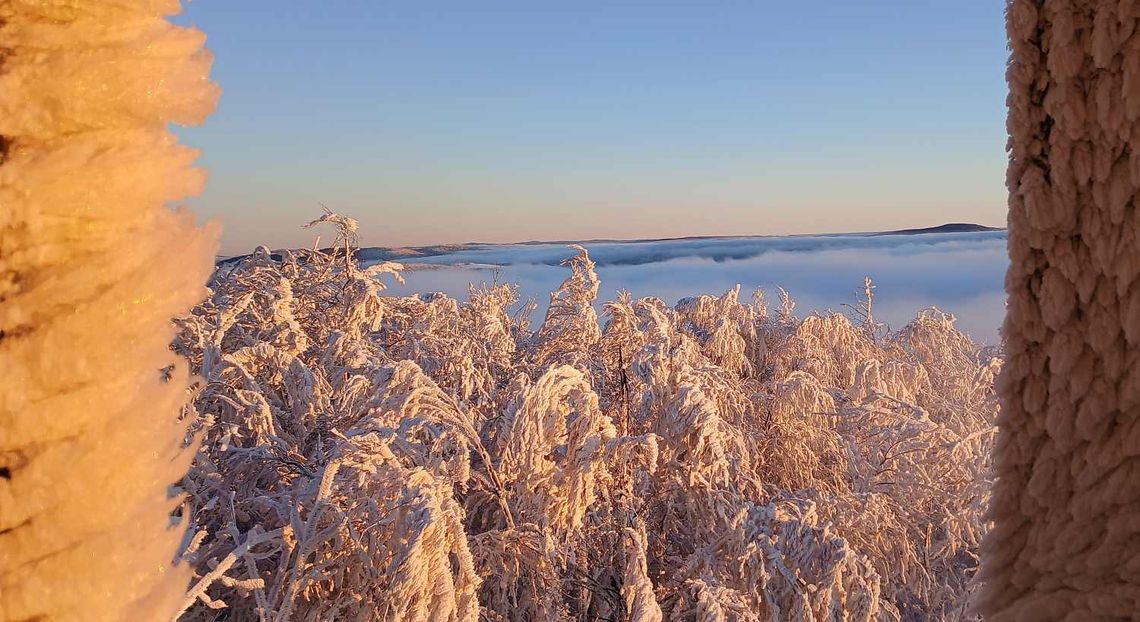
(92, 268)
(371, 457)
(1066, 506)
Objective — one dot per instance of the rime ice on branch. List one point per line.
(93, 265)
(425, 458)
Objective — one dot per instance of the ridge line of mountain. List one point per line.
(396, 253)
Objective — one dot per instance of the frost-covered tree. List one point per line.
(421, 457)
(1066, 538)
(571, 324)
(93, 265)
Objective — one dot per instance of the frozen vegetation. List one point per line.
(367, 456)
(357, 456)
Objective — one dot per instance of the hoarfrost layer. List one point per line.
(1066, 540)
(92, 268)
(425, 458)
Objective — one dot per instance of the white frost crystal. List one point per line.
(382, 458)
(93, 265)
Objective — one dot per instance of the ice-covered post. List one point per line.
(1066, 506)
(93, 265)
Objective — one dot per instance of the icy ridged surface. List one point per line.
(1066, 540)
(92, 268)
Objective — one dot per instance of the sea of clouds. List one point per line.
(961, 273)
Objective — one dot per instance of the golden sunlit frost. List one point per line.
(93, 265)
(426, 458)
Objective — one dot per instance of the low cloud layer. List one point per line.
(959, 273)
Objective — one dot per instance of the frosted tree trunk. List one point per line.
(92, 267)
(1067, 502)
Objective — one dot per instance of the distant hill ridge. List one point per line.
(383, 253)
(950, 227)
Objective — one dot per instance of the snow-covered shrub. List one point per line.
(93, 266)
(570, 330)
(377, 457)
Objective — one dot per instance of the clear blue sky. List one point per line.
(435, 122)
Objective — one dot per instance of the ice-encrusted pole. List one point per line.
(1066, 506)
(93, 265)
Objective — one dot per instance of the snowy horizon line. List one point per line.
(446, 248)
